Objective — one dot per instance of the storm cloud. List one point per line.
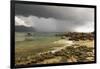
(54, 19)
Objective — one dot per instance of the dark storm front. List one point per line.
(61, 35)
(44, 18)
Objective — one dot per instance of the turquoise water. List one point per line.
(21, 36)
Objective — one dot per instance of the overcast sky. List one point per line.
(54, 19)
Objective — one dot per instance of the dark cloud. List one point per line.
(54, 18)
(69, 13)
(36, 10)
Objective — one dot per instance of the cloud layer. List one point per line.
(45, 18)
(41, 24)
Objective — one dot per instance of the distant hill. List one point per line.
(24, 29)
